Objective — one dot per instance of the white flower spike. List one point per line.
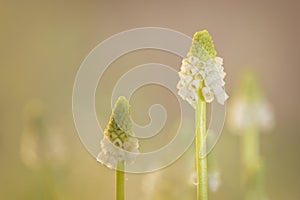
(202, 73)
(118, 142)
(250, 107)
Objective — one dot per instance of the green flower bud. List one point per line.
(202, 46)
(119, 125)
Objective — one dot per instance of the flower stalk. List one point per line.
(252, 165)
(201, 162)
(120, 181)
(119, 146)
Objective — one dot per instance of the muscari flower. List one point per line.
(41, 144)
(249, 107)
(202, 72)
(118, 143)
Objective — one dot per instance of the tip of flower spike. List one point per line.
(121, 114)
(121, 105)
(206, 41)
(203, 45)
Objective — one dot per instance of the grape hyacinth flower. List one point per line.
(249, 107)
(119, 146)
(201, 81)
(250, 114)
(118, 137)
(202, 72)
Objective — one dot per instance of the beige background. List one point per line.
(42, 44)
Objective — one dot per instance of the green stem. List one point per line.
(120, 175)
(250, 148)
(253, 170)
(201, 163)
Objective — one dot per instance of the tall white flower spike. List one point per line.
(118, 140)
(202, 72)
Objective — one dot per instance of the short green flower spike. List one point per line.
(119, 125)
(119, 132)
(203, 46)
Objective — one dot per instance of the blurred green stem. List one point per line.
(252, 164)
(201, 163)
(250, 147)
(120, 181)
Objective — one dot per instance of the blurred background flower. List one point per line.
(44, 150)
(249, 106)
(40, 143)
(250, 114)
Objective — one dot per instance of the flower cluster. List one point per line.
(202, 73)
(250, 107)
(112, 153)
(258, 114)
(118, 143)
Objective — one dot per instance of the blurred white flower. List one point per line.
(247, 114)
(214, 181)
(40, 143)
(249, 107)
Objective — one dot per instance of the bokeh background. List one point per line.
(42, 44)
